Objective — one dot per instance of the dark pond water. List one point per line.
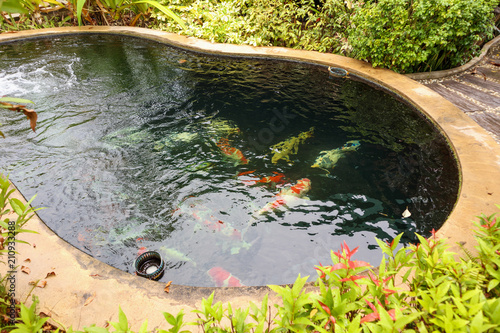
(208, 160)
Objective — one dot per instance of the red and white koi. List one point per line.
(231, 152)
(223, 278)
(288, 195)
(214, 224)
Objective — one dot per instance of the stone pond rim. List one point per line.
(85, 291)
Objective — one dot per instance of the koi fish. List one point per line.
(142, 250)
(214, 224)
(277, 178)
(283, 149)
(175, 255)
(221, 127)
(288, 195)
(329, 158)
(243, 173)
(223, 278)
(231, 152)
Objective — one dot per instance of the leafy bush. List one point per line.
(298, 24)
(420, 35)
(403, 35)
(50, 13)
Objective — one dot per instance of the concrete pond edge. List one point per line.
(84, 291)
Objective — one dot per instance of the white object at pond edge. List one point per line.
(406, 213)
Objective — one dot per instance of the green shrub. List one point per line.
(297, 24)
(420, 35)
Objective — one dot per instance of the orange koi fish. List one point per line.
(243, 173)
(231, 152)
(287, 195)
(223, 278)
(277, 178)
(142, 250)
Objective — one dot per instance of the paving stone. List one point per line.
(462, 103)
(478, 95)
(487, 120)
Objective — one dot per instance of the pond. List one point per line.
(238, 171)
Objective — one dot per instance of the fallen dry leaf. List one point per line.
(167, 287)
(89, 300)
(27, 260)
(42, 284)
(50, 274)
(475, 71)
(25, 269)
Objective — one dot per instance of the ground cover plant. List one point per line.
(418, 288)
(403, 35)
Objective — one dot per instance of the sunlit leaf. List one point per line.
(165, 11)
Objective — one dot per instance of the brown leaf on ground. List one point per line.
(478, 72)
(89, 300)
(42, 284)
(27, 260)
(167, 287)
(25, 269)
(50, 274)
(495, 62)
(33, 282)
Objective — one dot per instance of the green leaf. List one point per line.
(144, 327)
(93, 329)
(79, 9)
(17, 205)
(16, 100)
(165, 11)
(12, 7)
(492, 284)
(169, 318)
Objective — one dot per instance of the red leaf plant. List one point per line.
(331, 319)
(375, 315)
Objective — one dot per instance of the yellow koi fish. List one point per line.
(283, 149)
(329, 158)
